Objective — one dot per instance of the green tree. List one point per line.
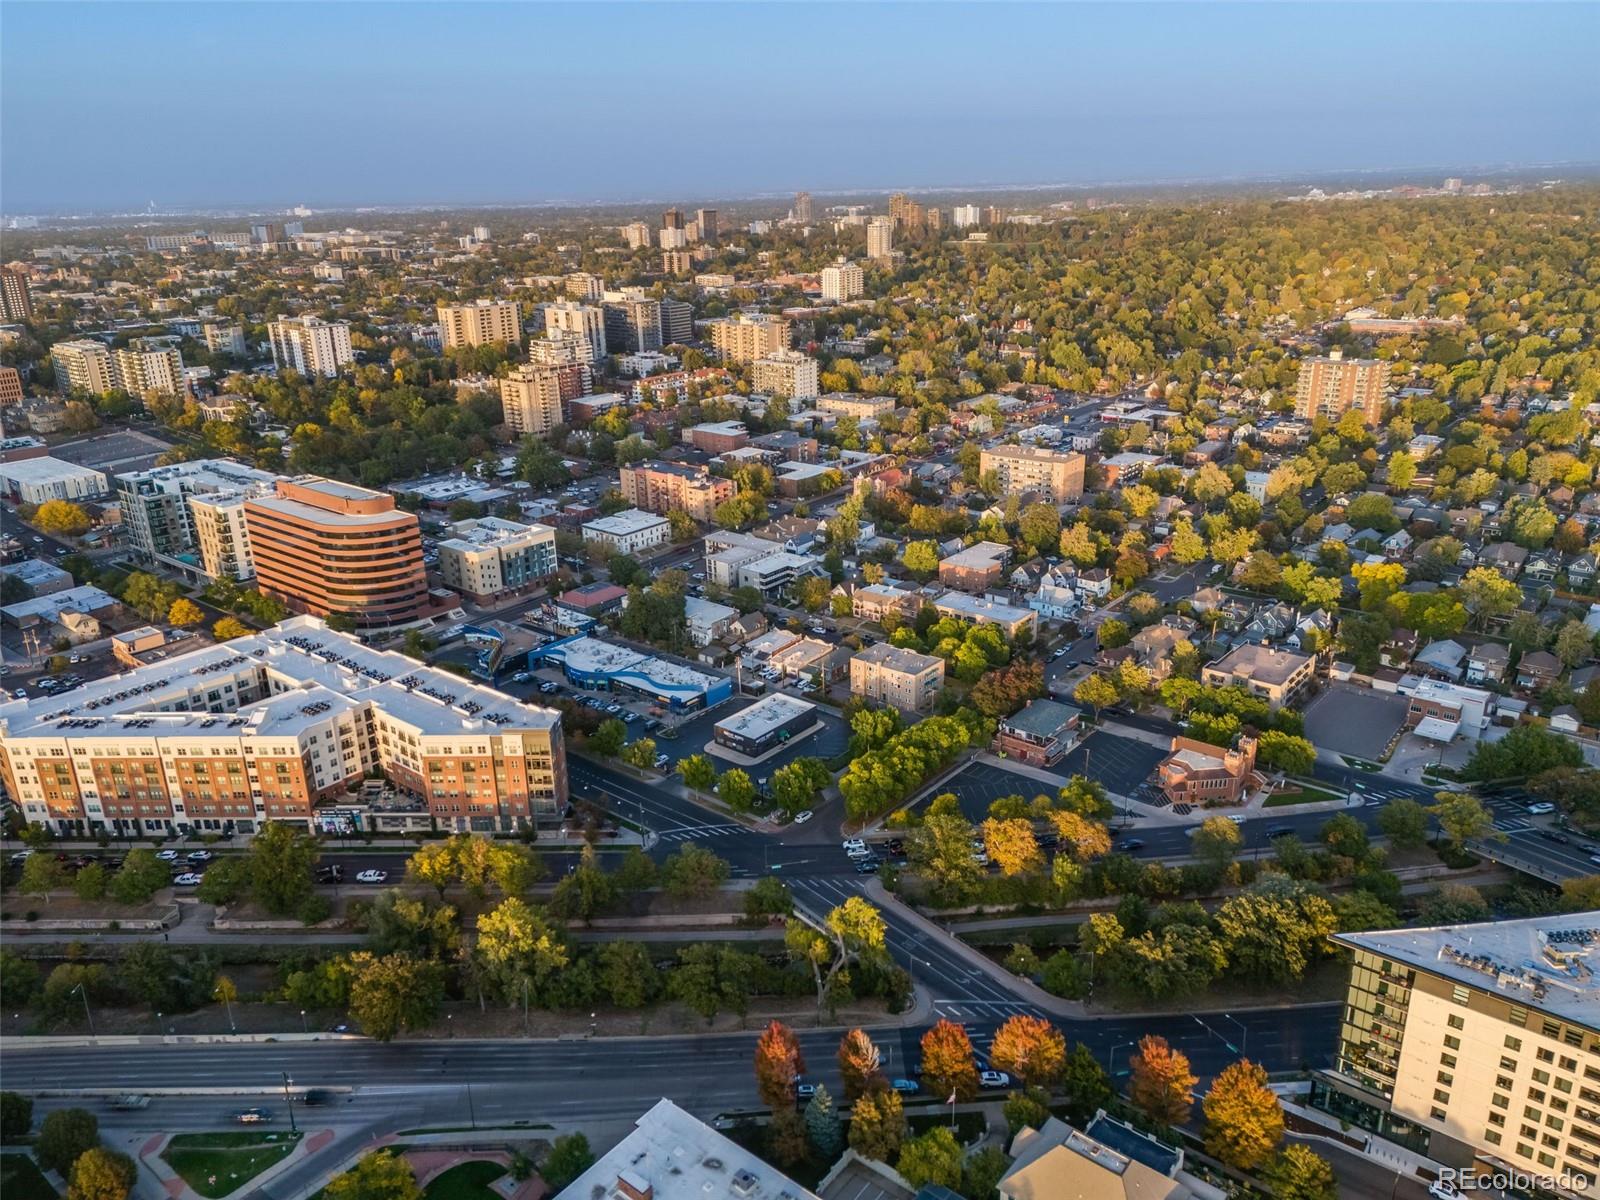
(280, 862)
(394, 994)
(1462, 817)
(921, 559)
(822, 1125)
(693, 871)
(933, 1157)
(1404, 822)
(41, 875)
(65, 1135)
(1084, 1086)
(699, 773)
(142, 875)
(607, 740)
(1300, 1173)
(736, 790)
(16, 1116)
(640, 754)
(569, 1158)
(1096, 691)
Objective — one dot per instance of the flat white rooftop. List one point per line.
(1546, 963)
(764, 716)
(627, 522)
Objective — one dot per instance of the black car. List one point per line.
(1280, 831)
(1128, 845)
(1552, 835)
(867, 866)
(315, 1097)
(330, 873)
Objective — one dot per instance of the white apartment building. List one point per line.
(967, 216)
(83, 366)
(637, 235)
(629, 531)
(481, 323)
(862, 408)
(586, 320)
(145, 368)
(786, 373)
(1477, 1046)
(532, 395)
(843, 281)
(224, 338)
(37, 480)
(746, 337)
(311, 346)
(880, 238)
(560, 348)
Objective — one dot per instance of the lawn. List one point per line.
(1280, 799)
(219, 1164)
(466, 1181)
(21, 1179)
(968, 1124)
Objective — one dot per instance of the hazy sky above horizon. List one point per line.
(113, 105)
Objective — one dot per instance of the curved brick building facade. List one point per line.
(326, 547)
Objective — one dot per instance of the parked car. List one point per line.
(906, 1087)
(867, 866)
(521, 677)
(662, 762)
(800, 818)
(371, 875)
(167, 855)
(199, 856)
(804, 1091)
(993, 1079)
(854, 844)
(187, 879)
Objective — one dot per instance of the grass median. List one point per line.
(466, 1181)
(219, 1164)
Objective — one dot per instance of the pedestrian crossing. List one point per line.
(1513, 825)
(697, 832)
(978, 1010)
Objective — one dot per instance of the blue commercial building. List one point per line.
(603, 666)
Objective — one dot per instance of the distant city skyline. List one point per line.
(193, 106)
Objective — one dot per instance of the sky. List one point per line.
(108, 106)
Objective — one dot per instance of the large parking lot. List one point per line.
(1352, 720)
(1120, 764)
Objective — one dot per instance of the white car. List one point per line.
(1541, 809)
(800, 818)
(187, 879)
(167, 855)
(854, 844)
(371, 876)
(993, 1079)
(200, 856)
(1439, 1189)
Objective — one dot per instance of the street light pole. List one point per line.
(1111, 1059)
(1244, 1033)
(88, 1016)
(288, 1097)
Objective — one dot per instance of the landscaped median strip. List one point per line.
(219, 1164)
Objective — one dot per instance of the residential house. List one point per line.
(1056, 597)
(1542, 567)
(1040, 735)
(1538, 670)
(1582, 569)
(1505, 557)
(1581, 677)
(1269, 623)
(1313, 630)
(1440, 660)
(1397, 545)
(1399, 650)
(1056, 1161)
(1487, 663)
(1095, 583)
(1153, 647)
(1206, 599)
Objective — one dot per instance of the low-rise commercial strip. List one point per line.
(266, 727)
